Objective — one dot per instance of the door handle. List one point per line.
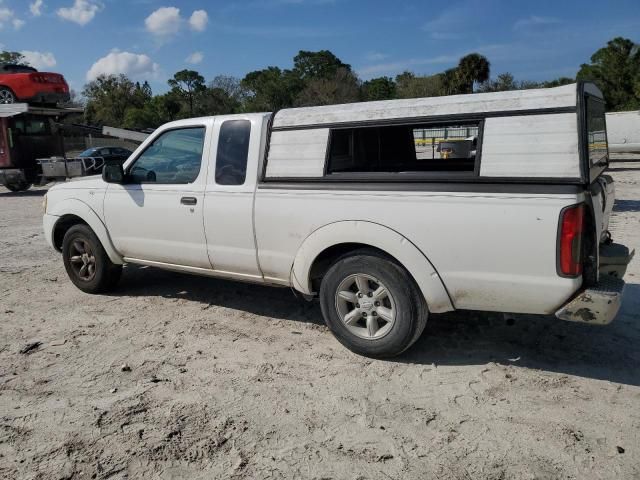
(188, 200)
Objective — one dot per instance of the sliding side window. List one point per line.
(404, 148)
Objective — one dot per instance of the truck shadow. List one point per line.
(608, 352)
(28, 193)
(279, 303)
(460, 338)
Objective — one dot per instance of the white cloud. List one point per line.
(535, 21)
(131, 64)
(39, 60)
(199, 20)
(81, 12)
(7, 16)
(36, 8)
(195, 58)
(164, 21)
(375, 56)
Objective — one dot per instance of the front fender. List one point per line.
(382, 238)
(73, 206)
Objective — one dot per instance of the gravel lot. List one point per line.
(232, 380)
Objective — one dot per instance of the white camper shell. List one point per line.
(386, 211)
(525, 134)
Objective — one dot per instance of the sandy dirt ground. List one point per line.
(226, 380)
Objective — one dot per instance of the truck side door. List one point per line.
(157, 215)
(228, 203)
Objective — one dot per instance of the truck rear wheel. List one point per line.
(372, 305)
(86, 262)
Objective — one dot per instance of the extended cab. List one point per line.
(388, 211)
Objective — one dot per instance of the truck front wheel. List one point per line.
(18, 187)
(86, 262)
(372, 305)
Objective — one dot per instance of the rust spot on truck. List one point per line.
(583, 314)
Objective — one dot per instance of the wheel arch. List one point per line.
(327, 243)
(73, 212)
(11, 89)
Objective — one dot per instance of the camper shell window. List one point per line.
(451, 148)
(596, 131)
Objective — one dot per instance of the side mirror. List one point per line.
(113, 172)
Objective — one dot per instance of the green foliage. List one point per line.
(110, 96)
(188, 84)
(381, 88)
(472, 69)
(271, 89)
(616, 70)
(13, 57)
(317, 78)
(506, 81)
(341, 87)
(317, 65)
(409, 85)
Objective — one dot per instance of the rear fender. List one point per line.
(382, 238)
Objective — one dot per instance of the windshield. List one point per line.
(11, 68)
(88, 153)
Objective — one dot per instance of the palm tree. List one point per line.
(473, 68)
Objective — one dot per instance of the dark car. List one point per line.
(20, 83)
(107, 153)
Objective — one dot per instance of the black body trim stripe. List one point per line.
(445, 118)
(386, 178)
(474, 187)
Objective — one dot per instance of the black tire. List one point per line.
(18, 187)
(7, 96)
(410, 308)
(105, 274)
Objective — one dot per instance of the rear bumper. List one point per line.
(600, 304)
(48, 97)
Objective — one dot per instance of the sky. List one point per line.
(153, 39)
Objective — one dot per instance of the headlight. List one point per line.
(44, 204)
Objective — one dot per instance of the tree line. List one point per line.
(321, 78)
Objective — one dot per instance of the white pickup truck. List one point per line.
(361, 206)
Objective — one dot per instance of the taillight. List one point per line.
(571, 232)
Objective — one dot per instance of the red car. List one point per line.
(19, 83)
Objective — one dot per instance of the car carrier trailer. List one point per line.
(32, 147)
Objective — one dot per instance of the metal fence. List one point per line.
(428, 140)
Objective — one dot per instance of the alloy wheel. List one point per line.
(365, 306)
(82, 259)
(6, 97)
